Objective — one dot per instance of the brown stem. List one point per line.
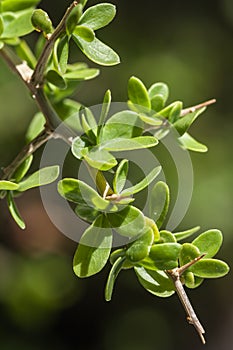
(38, 75)
(195, 108)
(192, 318)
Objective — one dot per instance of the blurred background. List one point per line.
(188, 45)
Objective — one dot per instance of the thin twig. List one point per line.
(38, 75)
(192, 318)
(195, 108)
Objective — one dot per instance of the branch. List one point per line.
(195, 108)
(191, 315)
(38, 75)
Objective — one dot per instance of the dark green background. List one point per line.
(188, 45)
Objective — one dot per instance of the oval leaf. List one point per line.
(82, 74)
(97, 51)
(85, 33)
(22, 170)
(165, 255)
(159, 202)
(120, 176)
(17, 24)
(188, 142)
(40, 178)
(209, 242)
(100, 159)
(138, 94)
(210, 268)
(185, 234)
(94, 248)
(98, 16)
(56, 79)
(159, 89)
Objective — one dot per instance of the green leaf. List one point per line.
(188, 253)
(105, 107)
(97, 51)
(159, 202)
(166, 237)
(155, 282)
(17, 24)
(73, 18)
(77, 147)
(151, 120)
(142, 184)
(159, 89)
(210, 268)
(157, 103)
(22, 170)
(184, 123)
(125, 124)
(121, 144)
(192, 281)
(191, 144)
(165, 255)
(100, 159)
(138, 94)
(175, 111)
(98, 16)
(94, 248)
(140, 248)
(41, 21)
(8, 185)
(53, 77)
(120, 176)
(62, 54)
(14, 211)
(209, 242)
(35, 127)
(128, 222)
(40, 178)
(82, 74)
(85, 33)
(17, 5)
(114, 272)
(68, 111)
(185, 234)
(79, 192)
(86, 213)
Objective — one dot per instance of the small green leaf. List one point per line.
(191, 144)
(40, 178)
(159, 89)
(53, 77)
(86, 213)
(18, 5)
(125, 124)
(128, 222)
(73, 18)
(192, 281)
(155, 282)
(120, 176)
(8, 185)
(22, 170)
(166, 237)
(14, 211)
(41, 21)
(138, 94)
(157, 103)
(82, 74)
(114, 272)
(188, 253)
(100, 159)
(185, 234)
(79, 192)
(85, 33)
(98, 16)
(94, 248)
(62, 54)
(140, 248)
(35, 127)
(210, 268)
(184, 123)
(209, 242)
(17, 24)
(165, 255)
(122, 144)
(97, 51)
(175, 111)
(159, 202)
(151, 120)
(142, 184)
(77, 147)
(105, 107)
